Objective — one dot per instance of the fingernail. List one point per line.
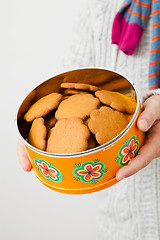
(143, 124)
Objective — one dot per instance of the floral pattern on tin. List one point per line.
(128, 151)
(90, 171)
(48, 170)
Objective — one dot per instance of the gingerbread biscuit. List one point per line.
(89, 76)
(116, 84)
(80, 86)
(37, 134)
(70, 91)
(117, 101)
(50, 120)
(106, 124)
(68, 136)
(79, 105)
(43, 106)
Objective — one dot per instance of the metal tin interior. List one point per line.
(87, 152)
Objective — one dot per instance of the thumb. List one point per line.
(149, 115)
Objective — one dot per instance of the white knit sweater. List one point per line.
(130, 209)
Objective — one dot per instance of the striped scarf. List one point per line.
(128, 27)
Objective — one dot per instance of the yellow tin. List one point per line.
(91, 170)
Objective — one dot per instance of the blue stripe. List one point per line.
(146, 1)
(132, 5)
(156, 5)
(135, 19)
(154, 79)
(136, 8)
(143, 10)
(127, 1)
(154, 57)
(155, 44)
(124, 7)
(156, 18)
(154, 68)
(141, 21)
(155, 31)
(153, 82)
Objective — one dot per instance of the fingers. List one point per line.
(136, 164)
(147, 153)
(150, 114)
(147, 121)
(23, 157)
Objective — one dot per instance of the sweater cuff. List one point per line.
(150, 93)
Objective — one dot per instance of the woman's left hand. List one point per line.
(148, 121)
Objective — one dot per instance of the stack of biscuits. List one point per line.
(81, 117)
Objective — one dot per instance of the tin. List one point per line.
(91, 170)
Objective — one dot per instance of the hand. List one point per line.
(23, 156)
(149, 120)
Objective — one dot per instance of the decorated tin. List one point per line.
(91, 170)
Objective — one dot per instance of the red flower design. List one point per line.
(128, 152)
(90, 172)
(47, 170)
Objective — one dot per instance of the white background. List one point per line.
(34, 37)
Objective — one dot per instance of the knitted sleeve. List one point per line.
(150, 93)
